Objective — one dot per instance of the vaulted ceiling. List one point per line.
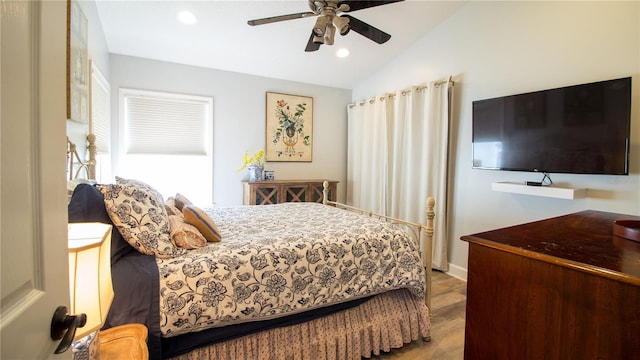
(222, 39)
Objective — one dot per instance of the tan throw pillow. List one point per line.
(185, 235)
(170, 201)
(202, 221)
(181, 201)
(172, 210)
(141, 218)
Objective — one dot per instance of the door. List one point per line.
(34, 264)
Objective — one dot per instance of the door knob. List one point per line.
(63, 326)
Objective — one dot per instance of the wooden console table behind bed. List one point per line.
(561, 288)
(270, 192)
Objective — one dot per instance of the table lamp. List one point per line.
(90, 287)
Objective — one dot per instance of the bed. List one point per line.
(286, 281)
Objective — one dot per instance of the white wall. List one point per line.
(99, 54)
(239, 119)
(501, 48)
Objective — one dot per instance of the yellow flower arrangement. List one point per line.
(256, 159)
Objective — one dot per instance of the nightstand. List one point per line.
(124, 342)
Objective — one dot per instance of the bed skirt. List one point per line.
(385, 322)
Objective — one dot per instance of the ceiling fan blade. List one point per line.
(367, 30)
(273, 19)
(359, 5)
(311, 45)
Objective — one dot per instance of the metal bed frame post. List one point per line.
(76, 164)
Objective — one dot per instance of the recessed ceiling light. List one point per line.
(187, 17)
(341, 53)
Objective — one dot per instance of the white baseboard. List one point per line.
(457, 272)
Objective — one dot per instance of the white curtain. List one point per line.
(398, 155)
(366, 165)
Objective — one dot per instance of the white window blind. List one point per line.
(164, 123)
(100, 114)
(160, 133)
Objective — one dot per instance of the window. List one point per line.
(101, 123)
(166, 140)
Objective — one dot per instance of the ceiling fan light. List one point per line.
(342, 24)
(315, 6)
(321, 25)
(342, 53)
(329, 34)
(343, 8)
(187, 17)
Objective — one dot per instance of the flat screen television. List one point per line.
(580, 129)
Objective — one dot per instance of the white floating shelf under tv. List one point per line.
(547, 191)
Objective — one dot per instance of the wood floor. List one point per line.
(447, 324)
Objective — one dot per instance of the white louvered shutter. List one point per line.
(100, 114)
(161, 123)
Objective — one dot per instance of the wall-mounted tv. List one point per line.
(580, 129)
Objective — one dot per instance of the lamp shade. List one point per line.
(90, 286)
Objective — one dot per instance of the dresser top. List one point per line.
(298, 181)
(583, 241)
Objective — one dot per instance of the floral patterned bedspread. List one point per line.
(278, 260)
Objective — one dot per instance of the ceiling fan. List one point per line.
(331, 18)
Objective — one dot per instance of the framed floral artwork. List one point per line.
(289, 127)
(77, 64)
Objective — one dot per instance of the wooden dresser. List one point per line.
(561, 288)
(279, 191)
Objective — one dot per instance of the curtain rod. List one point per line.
(403, 92)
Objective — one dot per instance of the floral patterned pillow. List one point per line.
(140, 216)
(170, 201)
(138, 183)
(172, 210)
(170, 206)
(185, 235)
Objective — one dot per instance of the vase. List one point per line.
(290, 140)
(290, 131)
(255, 173)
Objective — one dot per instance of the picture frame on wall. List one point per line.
(289, 127)
(77, 64)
